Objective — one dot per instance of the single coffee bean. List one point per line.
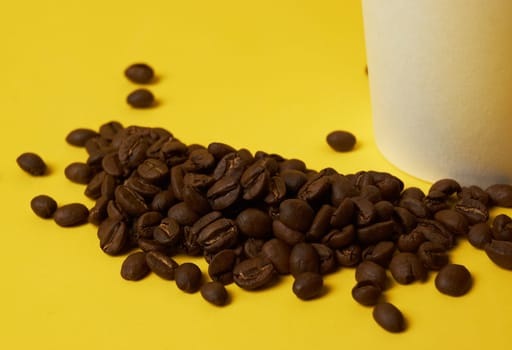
(416, 206)
(183, 214)
(215, 293)
(80, 173)
(254, 223)
(453, 221)
(297, 214)
(32, 164)
(130, 201)
(276, 191)
(278, 252)
(218, 235)
(73, 214)
(321, 223)
(341, 141)
(253, 273)
(134, 267)
(188, 277)
(99, 211)
(502, 228)
(252, 247)
(224, 192)
(375, 233)
(366, 293)
(304, 258)
(410, 242)
(340, 238)
(500, 195)
(287, 234)
(454, 280)
(140, 98)
(139, 73)
(443, 188)
(308, 285)
(168, 232)
(110, 129)
(146, 224)
(343, 214)
(380, 253)
(500, 253)
(293, 180)
(142, 187)
(162, 201)
(79, 137)
(93, 189)
(407, 268)
(316, 190)
(349, 256)
(474, 210)
(113, 235)
(370, 271)
(43, 206)
(406, 221)
(219, 149)
(384, 210)
(389, 317)
(364, 211)
(328, 262)
(480, 235)
(432, 255)
(221, 266)
(436, 232)
(161, 264)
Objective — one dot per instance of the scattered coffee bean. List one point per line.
(80, 173)
(308, 285)
(134, 267)
(79, 137)
(304, 258)
(454, 280)
(32, 164)
(140, 98)
(73, 214)
(366, 293)
(43, 206)
(500, 252)
(139, 73)
(480, 235)
(368, 271)
(389, 317)
(253, 273)
(341, 141)
(215, 293)
(188, 277)
(161, 264)
(407, 268)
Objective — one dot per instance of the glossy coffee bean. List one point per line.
(380, 253)
(253, 273)
(296, 214)
(372, 272)
(500, 252)
(73, 214)
(43, 206)
(254, 223)
(80, 136)
(500, 195)
(304, 258)
(80, 173)
(308, 285)
(134, 267)
(453, 221)
(454, 280)
(113, 235)
(480, 235)
(221, 266)
(188, 277)
(341, 141)
(432, 255)
(366, 293)
(140, 73)
(407, 268)
(389, 317)
(161, 264)
(278, 252)
(32, 163)
(130, 201)
(140, 98)
(215, 293)
(502, 228)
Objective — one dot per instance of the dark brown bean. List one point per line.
(140, 73)
(407, 268)
(79, 137)
(500, 252)
(454, 280)
(161, 264)
(453, 221)
(254, 223)
(278, 252)
(134, 267)
(389, 317)
(188, 277)
(43, 206)
(253, 273)
(341, 141)
(215, 293)
(480, 235)
(370, 271)
(32, 163)
(500, 194)
(304, 258)
(141, 98)
(308, 285)
(221, 266)
(73, 214)
(80, 173)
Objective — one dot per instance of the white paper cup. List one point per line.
(440, 74)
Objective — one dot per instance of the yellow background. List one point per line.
(267, 75)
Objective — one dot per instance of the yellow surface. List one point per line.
(266, 75)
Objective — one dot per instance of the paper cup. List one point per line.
(440, 74)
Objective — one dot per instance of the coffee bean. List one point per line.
(316, 190)
(255, 181)
(410, 242)
(375, 233)
(321, 223)
(73, 214)
(500, 252)
(480, 235)
(224, 192)
(255, 223)
(146, 224)
(296, 214)
(341, 141)
(500, 195)
(380, 253)
(453, 221)
(343, 214)
(308, 285)
(162, 201)
(188, 277)
(218, 235)
(134, 267)
(253, 273)
(221, 266)
(502, 228)
(130, 201)
(366, 293)
(32, 164)
(287, 234)
(389, 317)
(113, 235)
(43, 206)
(304, 258)
(436, 232)
(168, 232)
(79, 137)
(252, 247)
(405, 220)
(349, 256)
(110, 129)
(474, 210)
(364, 211)
(278, 253)
(432, 255)
(183, 214)
(140, 98)
(340, 238)
(139, 73)
(161, 264)
(454, 280)
(443, 188)
(80, 173)
(99, 211)
(407, 268)
(370, 271)
(293, 180)
(215, 293)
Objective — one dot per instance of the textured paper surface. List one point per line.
(441, 86)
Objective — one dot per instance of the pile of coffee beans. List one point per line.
(254, 217)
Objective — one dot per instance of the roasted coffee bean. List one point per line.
(215, 293)
(199, 160)
(453, 221)
(183, 214)
(341, 188)
(113, 211)
(139, 73)
(343, 214)
(161, 264)
(474, 210)
(253, 273)
(93, 189)
(321, 223)
(292, 164)
(168, 232)
(277, 252)
(150, 245)
(407, 268)
(221, 266)
(454, 280)
(390, 187)
(413, 192)
(32, 164)
(432, 255)
(224, 192)
(389, 317)
(80, 173)
(500, 252)
(297, 214)
(98, 147)
(340, 238)
(232, 164)
(304, 258)
(79, 137)
(276, 191)
(153, 170)
(410, 242)
(141, 98)
(370, 271)
(130, 201)
(349, 256)
(218, 235)
(364, 211)
(436, 232)
(480, 235)
(142, 187)
(502, 228)
(384, 210)
(255, 223)
(255, 181)
(252, 247)
(112, 165)
(43, 206)
(376, 232)
(443, 188)
(204, 221)
(293, 180)
(162, 201)
(196, 200)
(188, 277)
(415, 206)
(113, 235)
(110, 129)
(371, 192)
(328, 262)
(366, 293)
(98, 212)
(134, 267)
(316, 190)
(475, 193)
(73, 214)
(219, 150)
(308, 285)
(132, 151)
(108, 186)
(500, 194)
(405, 220)
(380, 253)
(341, 141)
(287, 234)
